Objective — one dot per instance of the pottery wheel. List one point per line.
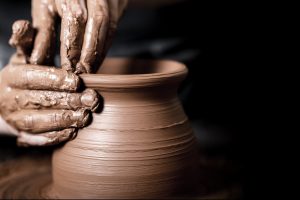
(30, 178)
(25, 178)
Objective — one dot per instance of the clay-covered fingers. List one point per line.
(38, 99)
(46, 139)
(74, 16)
(43, 16)
(95, 36)
(40, 78)
(40, 121)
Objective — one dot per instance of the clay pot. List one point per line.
(139, 146)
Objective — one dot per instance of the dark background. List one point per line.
(207, 37)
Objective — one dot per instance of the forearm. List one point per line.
(6, 129)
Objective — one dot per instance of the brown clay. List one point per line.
(39, 99)
(87, 28)
(29, 177)
(140, 146)
(44, 19)
(22, 40)
(102, 20)
(36, 77)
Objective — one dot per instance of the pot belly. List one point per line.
(122, 154)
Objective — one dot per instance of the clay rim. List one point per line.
(175, 73)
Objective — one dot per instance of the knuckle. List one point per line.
(66, 116)
(79, 15)
(23, 123)
(26, 124)
(101, 14)
(82, 118)
(8, 102)
(100, 18)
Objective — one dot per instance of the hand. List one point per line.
(44, 102)
(87, 28)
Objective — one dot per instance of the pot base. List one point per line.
(30, 178)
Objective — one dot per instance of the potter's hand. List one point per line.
(87, 27)
(41, 103)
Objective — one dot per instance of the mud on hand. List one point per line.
(43, 104)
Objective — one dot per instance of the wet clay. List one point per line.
(140, 146)
(22, 40)
(29, 177)
(86, 31)
(41, 99)
(44, 15)
(38, 99)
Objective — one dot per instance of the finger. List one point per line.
(59, 4)
(40, 78)
(94, 38)
(74, 16)
(22, 37)
(36, 99)
(46, 139)
(39, 121)
(43, 16)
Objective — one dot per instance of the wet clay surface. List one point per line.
(29, 177)
(141, 145)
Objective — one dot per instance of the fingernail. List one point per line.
(81, 69)
(90, 99)
(33, 59)
(71, 82)
(82, 117)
